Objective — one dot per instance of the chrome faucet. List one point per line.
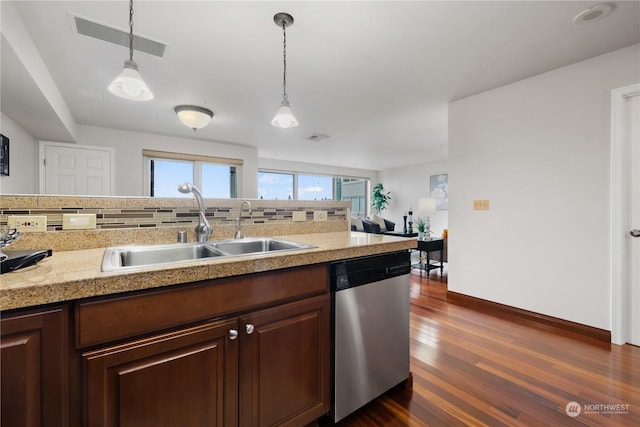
(239, 234)
(203, 229)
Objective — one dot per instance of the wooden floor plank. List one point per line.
(473, 368)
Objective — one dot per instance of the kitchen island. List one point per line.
(224, 341)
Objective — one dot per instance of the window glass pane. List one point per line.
(354, 190)
(216, 181)
(315, 187)
(167, 175)
(275, 186)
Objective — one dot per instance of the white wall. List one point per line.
(538, 149)
(23, 158)
(407, 186)
(130, 166)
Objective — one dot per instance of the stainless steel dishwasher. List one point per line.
(370, 328)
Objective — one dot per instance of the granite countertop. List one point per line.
(71, 275)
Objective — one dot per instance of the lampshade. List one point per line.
(129, 84)
(284, 117)
(194, 117)
(427, 207)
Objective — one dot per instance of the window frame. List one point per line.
(367, 182)
(197, 161)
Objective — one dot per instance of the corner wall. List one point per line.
(538, 149)
(23, 156)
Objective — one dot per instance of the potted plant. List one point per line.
(421, 227)
(381, 198)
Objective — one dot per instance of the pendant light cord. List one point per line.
(284, 61)
(130, 30)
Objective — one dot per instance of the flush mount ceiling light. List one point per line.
(193, 117)
(593, 14)
(284, 118)
(129, 83)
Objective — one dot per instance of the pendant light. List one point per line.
(129, 84)
(284, 118)
(193, 116)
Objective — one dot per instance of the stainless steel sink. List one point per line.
(135, 257)
(252, 246)
(139, 256)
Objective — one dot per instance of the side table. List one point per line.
(428, 246)
(400, 234)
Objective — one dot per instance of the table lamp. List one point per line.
(427, 207)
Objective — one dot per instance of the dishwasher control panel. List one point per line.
(359, 271)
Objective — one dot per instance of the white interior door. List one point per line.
(632, 134)
(625, 215)
(72, 169)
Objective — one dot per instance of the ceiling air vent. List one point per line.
(316, 137)
(111, 35)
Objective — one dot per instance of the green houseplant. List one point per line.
(381, 198)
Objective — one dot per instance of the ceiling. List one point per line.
(374, 76)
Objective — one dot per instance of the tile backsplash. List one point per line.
(161, 216)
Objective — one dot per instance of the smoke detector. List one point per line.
(593, 14)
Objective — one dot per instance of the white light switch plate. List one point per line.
(78, 221)
(299, 215)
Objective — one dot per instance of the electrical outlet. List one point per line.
(299, 215)
(27, 223)
(480, 205)
(78, 221)
(319, 215)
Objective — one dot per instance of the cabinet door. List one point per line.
(34, 354)
(285, 363)
(182, 378)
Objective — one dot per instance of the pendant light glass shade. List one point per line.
(284, 118)
(129, 84)
(193, 117)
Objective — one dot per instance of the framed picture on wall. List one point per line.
(4, 156)
(440, 191)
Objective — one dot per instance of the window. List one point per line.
(291, 185)
(166, 173)
(354, 191)
(275, 186)
(215, 177)
(315, 187)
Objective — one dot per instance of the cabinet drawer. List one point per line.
(116, 318)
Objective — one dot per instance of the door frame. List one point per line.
(41, 162)
(618, 229)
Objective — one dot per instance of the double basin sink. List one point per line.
(132, 257)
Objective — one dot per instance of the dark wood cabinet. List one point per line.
(34, 374)
(264, 361)
(182, 378)
(266, 368)
(285, 364)
(250, 351)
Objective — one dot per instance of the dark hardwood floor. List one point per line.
(473, 368)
